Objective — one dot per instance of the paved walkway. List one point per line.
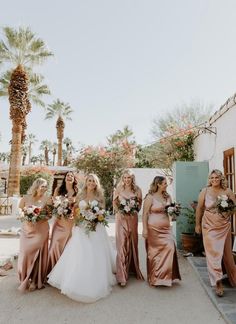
(186, 302)
(227, 304)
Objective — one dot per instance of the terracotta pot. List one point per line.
(191, 243)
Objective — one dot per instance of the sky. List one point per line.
(125, 62)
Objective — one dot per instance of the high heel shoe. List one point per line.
(32, 286)
(122, 284)
(219, 289)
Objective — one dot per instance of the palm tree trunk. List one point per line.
(19, 108)
(59, 161)
(60, 134)
(46, 156)
(30, 152)
(15, 161)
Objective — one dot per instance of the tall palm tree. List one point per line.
(54, 152)
(21, 49)
(46, 147)
(69, 148)
(121, 136)
(24, 150)
(30, 140)
(61, 111)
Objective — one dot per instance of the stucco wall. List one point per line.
(210, 147)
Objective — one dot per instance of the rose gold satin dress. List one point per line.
(61, 233)
(32, 261)
(162, 262)
(216, 231)
(127, 260)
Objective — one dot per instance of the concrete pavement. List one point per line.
(186, 302)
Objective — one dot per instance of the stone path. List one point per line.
(227, 304)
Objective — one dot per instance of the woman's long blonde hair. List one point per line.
(121, 184)
(223, 181)
(35, 186)
(99, 194)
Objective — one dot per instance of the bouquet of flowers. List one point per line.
(173, 210)
(225, 205)
(62, 207)
(129, 206)
(91, 215)
(32, 214)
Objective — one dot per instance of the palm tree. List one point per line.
(34, 159)
(46, 147)
(24, 150)
(69, 148)
(59, 110)
(120, 137)
(30, 140)
(54, 152)
(21, 48)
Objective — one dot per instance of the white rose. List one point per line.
(60, 211)
(123, 202)
(30, 210)
(94, 203)
(224, 204)
(96, 209)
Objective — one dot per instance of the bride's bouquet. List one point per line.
(89, 215)
(33, 214)
(173, 210)
(225, 205)
(63, 208)
(129, 206)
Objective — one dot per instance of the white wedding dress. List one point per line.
(85, 270)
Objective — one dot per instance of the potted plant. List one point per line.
(190, 241)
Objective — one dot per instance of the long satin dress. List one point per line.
(61, 233)
(162, 262)
(216, 231)
(127, 260)
(33, 254)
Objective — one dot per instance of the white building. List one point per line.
(216, 141)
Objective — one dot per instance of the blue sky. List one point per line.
(126, 62)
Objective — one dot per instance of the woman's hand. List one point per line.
(145, 233)
(198, 229)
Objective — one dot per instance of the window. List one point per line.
(229, 168)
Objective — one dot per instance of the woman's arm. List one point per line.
(140, 198)
(22, 203)
(56, 192)
(231, 195)
(146, 210)
(115, 199)
(200, 210)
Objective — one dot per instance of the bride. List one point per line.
(85, 270)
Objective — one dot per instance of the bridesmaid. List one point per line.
(162, 262)
(127, 259)
(216, 231)
(32, 261)
(62, 227)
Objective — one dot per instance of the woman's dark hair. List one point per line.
(62, 189)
